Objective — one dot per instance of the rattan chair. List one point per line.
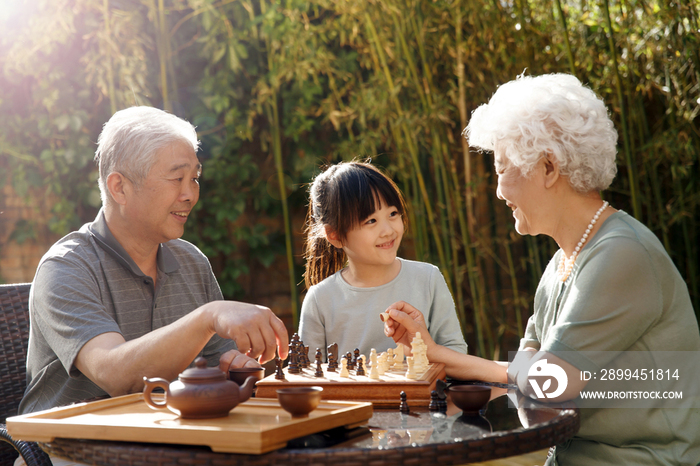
(14, 334)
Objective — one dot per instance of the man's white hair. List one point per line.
(552, 114)
(130, 140)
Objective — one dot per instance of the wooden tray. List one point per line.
(384, 392)
(253, 427)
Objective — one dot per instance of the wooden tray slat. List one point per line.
(256, 426)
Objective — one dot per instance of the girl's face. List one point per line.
(376, 239)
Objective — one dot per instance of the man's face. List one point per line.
(160, 206)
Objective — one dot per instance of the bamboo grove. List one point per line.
(277, 89)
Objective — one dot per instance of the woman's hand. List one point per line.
(404, 323)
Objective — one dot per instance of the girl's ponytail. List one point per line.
(322, 258)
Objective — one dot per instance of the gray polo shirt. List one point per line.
(87, 285)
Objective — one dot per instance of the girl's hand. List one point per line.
(405, 322)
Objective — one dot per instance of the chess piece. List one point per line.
(403, 407)
(442, 403)
(293, 367)
(332, 352)
(333, 349)
(374, 370)
(307, 361)
(319, 358)
(390, 358)
(398, 356)
(381, 363)
(434, 406)
(344, 368)
(411, 373)
(360, 367)
(355, 356)
(279, 373)
(348, 357)
(418, 349)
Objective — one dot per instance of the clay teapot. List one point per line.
(200, 392)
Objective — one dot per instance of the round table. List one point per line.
(389, 437)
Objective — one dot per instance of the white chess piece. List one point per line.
(398, 356)
(344, 368)
(374, 371)
(381, 363)
(410, 374)
(418, 349)
(390, 358)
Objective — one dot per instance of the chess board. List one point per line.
(384, 392)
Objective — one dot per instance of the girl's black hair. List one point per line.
(342, 197)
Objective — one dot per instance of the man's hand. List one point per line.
(257, 331)
(404, 323)
(234, 359)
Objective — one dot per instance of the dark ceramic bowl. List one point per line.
(239, 375)
(299, 401)
(469, 398)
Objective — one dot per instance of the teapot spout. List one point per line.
(246, 390)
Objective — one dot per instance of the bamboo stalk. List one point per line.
(273, 118)
(162, 56)
(565, 29)
(514, 286)
(471, 270)
(623, 116)
(108, 58)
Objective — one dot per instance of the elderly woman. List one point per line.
(610, 287)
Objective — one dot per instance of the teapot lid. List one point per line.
(202, 373)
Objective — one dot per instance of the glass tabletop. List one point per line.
(389, 436)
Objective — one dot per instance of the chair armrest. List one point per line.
(30, 451)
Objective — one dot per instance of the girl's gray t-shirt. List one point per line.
(335, 312)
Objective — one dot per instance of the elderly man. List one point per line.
(124, 297)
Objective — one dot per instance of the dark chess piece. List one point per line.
(332, 363)
(360, 369)
(442, 403)
(279, 373)
(319, 360)
(333, 350)
(300, 350)
(356, 356)
(307, 361)
(434, 402)
(293, 366)
(351, 364)
(403, 407)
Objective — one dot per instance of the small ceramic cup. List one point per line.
(469, 398)
(299, 401)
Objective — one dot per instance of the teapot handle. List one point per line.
(148, 388)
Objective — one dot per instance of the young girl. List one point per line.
(354, 229)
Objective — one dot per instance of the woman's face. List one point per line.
(520, 193)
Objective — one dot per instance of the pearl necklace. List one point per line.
(566, 265)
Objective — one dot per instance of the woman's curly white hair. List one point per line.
(552, 114)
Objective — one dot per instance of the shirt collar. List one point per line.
(165, 258)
